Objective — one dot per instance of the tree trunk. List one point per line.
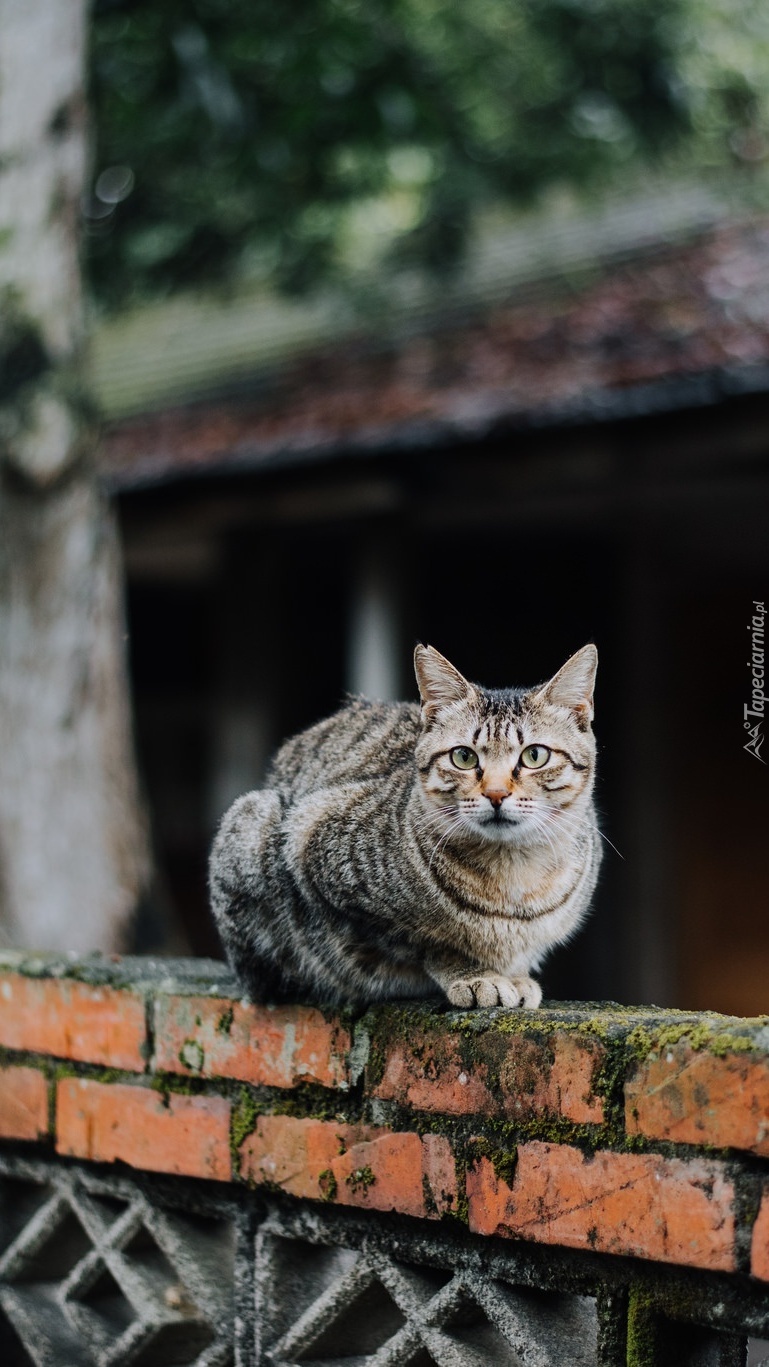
(74, 853)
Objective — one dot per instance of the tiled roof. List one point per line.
(673, 327)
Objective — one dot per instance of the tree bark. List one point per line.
(74, 850)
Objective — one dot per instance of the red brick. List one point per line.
(759, 1256)
(553, 1077)
(23, 1103)
(694, 1097)
(439, 1173)
(427, 1072)
(352, 1165)
(557, 1078)
(72, 1020)
(188, 1135)
(641, 1205)
(278, 1046)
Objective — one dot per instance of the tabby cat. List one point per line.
(395, 850)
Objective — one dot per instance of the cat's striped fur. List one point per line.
(372, 866)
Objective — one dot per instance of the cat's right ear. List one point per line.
(440, 684)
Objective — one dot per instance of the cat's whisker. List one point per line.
(456, 825)
(557, 813)
(540, 827)
(436, 820)
(554, 817)
(574, 828)
(446, 833)
(576, 825)
(610, 842)
(548, 816)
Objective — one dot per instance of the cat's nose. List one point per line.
(496, 796)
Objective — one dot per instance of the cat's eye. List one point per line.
(534, 756)
(462, 757)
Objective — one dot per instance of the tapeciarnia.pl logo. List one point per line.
(753, 712)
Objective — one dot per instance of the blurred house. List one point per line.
(580, 455)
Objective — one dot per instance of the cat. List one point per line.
(397, 850)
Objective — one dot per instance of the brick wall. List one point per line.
(632, 1132)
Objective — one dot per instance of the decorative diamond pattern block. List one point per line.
(101, 1270)
(103, 1279)
(335, 1307)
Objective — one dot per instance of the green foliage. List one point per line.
(238, 133)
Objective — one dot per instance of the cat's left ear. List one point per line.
(574, 684)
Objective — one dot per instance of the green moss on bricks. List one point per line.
(430, 1204)
(172, 1084)
(192, 1056)
(642, 1041)
(462, 1210)
(360, 1179)
(61, 1071)
(731, 1044)
(384, 1025)
(641, 1336)
(504, 1158)
(654, 1317)
(549, 1129)
(505, 1162)
(224, 1023)
(108, 1076)
(328, 1185)
(481, 1042)
(245, 1114)
(612, 1023)
(308, 1099)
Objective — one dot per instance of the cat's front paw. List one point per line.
(494, 991)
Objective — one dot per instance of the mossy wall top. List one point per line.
(585, 1125)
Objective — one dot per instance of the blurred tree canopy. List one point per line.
(237, 133)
